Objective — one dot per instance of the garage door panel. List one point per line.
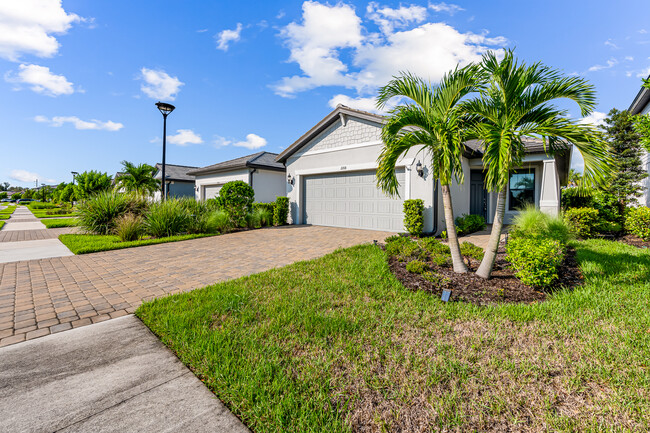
(211, 191)
(352, 200)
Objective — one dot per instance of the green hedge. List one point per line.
(535, 260)
(264, 206)
(413, 220)
(466, 224)
(281, 211)
(583, 221)
(638, 222)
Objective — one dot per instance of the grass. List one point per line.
(1, 224)
(83, 244)
(43, 215)
(337, 344)
(60, 222)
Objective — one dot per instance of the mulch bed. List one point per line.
(634, 241)
(502, 287)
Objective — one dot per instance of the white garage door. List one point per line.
(352, 200)
(211, 191)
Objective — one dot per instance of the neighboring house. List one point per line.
(179, 182)
(331, 178)
(259, 170)
(641, 105)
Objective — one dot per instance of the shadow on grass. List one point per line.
(613, 260)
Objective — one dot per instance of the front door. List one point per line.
(477, 194)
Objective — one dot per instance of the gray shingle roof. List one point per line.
(264, 160)
(641, 100)
(533, 145)
(175, 172)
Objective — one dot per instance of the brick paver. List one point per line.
(34, 235)
(65, 292)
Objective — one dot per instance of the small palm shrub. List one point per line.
(417, 267)
(98, 213)
(582, 221)
(466, 224)
(535, 260)
(167, 218)
(129, 227)
(532, 222)
(220, 221)
(638, 222)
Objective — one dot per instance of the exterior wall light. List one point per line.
(290, 180)
(419, 169)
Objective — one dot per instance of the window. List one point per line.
(522, 189)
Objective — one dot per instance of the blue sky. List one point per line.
(80, 78)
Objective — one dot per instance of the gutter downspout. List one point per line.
(250, 176)
(435, 208)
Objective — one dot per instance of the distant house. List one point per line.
(179, 182)
(641, 105)
(331, 178)
(260, 170)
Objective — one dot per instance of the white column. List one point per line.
(549, 200)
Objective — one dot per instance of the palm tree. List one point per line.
(431, 118)
(138, 179)
(516, 103)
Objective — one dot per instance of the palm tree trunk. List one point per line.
(456, 258)
(485, 269)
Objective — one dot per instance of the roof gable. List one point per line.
(263, 160)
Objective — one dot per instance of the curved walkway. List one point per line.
(39, 297)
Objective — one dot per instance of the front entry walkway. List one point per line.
(39, 297)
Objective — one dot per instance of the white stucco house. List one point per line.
(641, 105)
(331, 178)
(260, 170)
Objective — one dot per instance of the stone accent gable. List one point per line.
(354, 132)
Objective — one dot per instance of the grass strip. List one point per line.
(60, 222)
(83, 244)
(338, 344)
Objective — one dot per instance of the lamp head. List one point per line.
(165, 108)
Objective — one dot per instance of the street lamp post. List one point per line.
(165, 109)
(74, 174)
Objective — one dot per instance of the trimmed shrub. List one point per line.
(532, 222)
(535, 260)
(434, 246)
(167, 218)
(417, 267)
(582, 221)
(638, 222)
(468, 249)
(281, 211)
(466, 224)
(129, 227)
(574, 197)
(98, 214)
(237, 200)
(413, 220)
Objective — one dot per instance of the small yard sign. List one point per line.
(445, 295)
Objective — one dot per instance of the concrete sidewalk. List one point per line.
(114, 376)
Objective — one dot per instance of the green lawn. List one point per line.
(42, 214)
(82, 244)
(60, 222)
(1, 224)
(337, 344)
(4, 216)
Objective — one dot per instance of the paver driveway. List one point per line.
(39, 297)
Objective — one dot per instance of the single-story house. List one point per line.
(260, 170)
(179, 182)
(641, 105)
(331, 178)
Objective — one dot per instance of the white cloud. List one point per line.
(185, 137)
(225, 37)
(609, 64)
(643, 31)
(644, 72)
(253, 141)
(27, 26)
(27, 176)
(629, 58)
(98, 125)
(159, 84)
(612, 45)
(388, 19)
(328, 34)
(596, 118)
(445, 7)
(40, 80)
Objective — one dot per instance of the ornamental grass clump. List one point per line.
(220, 221)
(167, 218)
(531, 222)
(98, 213)
(129, 227)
